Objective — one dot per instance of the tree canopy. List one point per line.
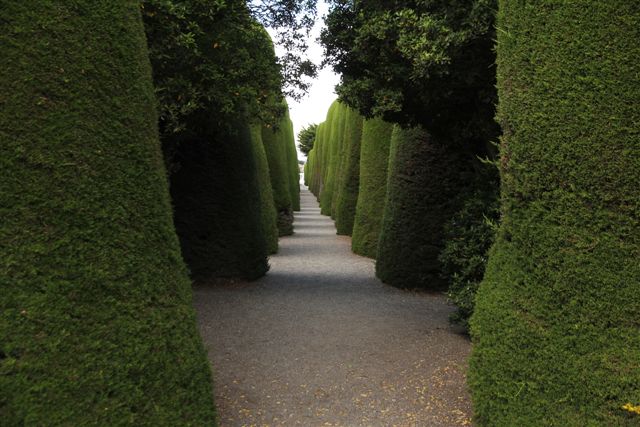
(306, 138)
(427, 62)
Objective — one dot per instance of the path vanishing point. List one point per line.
(319, 341)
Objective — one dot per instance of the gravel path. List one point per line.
(320, 342)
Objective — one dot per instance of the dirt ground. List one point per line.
(320, 341)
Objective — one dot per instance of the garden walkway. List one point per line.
(320, 341)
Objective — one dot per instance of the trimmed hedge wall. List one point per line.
(332, 140)
(217, 204)
(96, 323)
(263, 182)
(374, 159)
(349, 173)
(316, 167)
(292, 160)
(423, 177)
(276, 147)
(558, 315)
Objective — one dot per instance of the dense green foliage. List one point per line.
(348, 180)
(218, 220)
(468, 236)
(278, 145)
(267, 208)
(208, 57)
(557, 316)
(215, 72)
(313, 174)
(374, 159)
(332, 144)
(294, 166)
(96, 323)
(333, 166)
(416, 209)
(426, 63)
(306, 138)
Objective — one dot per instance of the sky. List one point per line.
(313, 107)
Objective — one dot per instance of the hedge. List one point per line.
(96, 323)
(217, 204)
(330, 163)
(276, 147)
(348, 179)
(292, 161)
(269, 226)
(423, 179)
(557, 316)
(374, 159)
(316, 165)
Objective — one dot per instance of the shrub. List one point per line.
(330, 162)
(276, 147)
(294, 168)
(468, 237)
(374, 159)
(557, 316)
(269, 227)
(96, 322)
(217, 204)
(349, 173)
(423, 179)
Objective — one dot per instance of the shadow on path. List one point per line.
(320, 341)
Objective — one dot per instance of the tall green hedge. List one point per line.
(423, 179)
(374, 159)
(217, 204)
(292, 161)
(349, 173)
(331, 164)
(316, 165)
(557, 320)
(96, 323)
(276, 147)
(268, 215)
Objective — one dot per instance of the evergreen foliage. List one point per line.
(217, 190)
(349, 179)
(306, 138)
(468, 236)
(219, 221)
(294, 167)
(557, 316)
(331, 155)
(210, 60)
(96, 323)
(276, 141)
(374, 159)
(267, 208)
(312, 168)
(416, 210)
(428, 63)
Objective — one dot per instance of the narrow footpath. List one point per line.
(320, 341)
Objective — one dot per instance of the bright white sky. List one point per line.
(313, 107)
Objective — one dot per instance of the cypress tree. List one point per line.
(333, 139)
(416, 209)
(263, 182)
(217, 204)
(292, 161)
(557, 317)
(96, 323)
(316, 171)
(275, 146)
(349, 173)
(374, 159)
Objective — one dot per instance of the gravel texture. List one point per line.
(320, 341)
